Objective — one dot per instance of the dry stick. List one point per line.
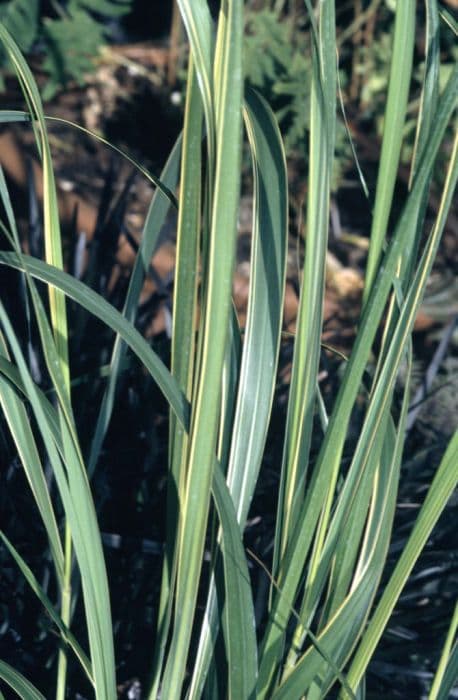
(359, 21)
(176, 31)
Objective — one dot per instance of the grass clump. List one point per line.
(325, 613)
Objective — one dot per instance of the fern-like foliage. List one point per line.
(276, 62)
(20, 17)
(70, 39)
(277, 49)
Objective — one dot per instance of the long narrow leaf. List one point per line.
(265, 303)
(331, 450)
(74, 490)
(18, 116)
(153, 223)
(216, 311)
(17, 419)
(398, 90)
(18, 423)
(53, 244)
(239, 626)
(183, 348)
(19, 684)
(100, 308)
(67, 636)
(448, 665)
(338, 637)
(199, 27)
(441, 489)
(301, 404)
(256, 382)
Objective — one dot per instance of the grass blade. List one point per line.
(445, 479)
(8, 116)
(348, 549)
(74, 491)
(428, 106)
(100, 308)
(19, 116)
(447, 670)
(448, 682)
(265, 304)
(199, 28)
(153, 179)
(18, 423)
(53, 244)
(54, 256)
(66, 634)
(154, 220)
(336, 640)
(18, 683)
(238, 621)
(441, 489)
(398, 92)
(302, 398)
(215, 314)
(262, 334)
(330, 454)
(183, 347)
(186, 275)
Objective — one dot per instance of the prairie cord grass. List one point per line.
(328, 605)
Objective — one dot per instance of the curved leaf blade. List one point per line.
(100, 308)
(18, 683)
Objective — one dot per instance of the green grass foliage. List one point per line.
(326, 611)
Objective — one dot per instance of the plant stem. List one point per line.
(65, 613)
(435, 691)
